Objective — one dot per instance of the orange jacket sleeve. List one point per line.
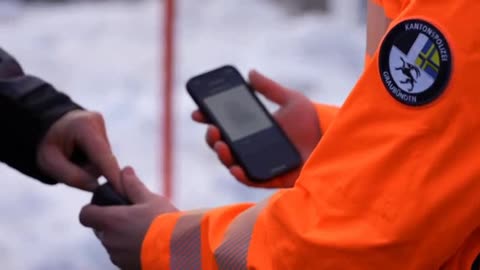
(326, 114)
(392, 185)
(392, 7)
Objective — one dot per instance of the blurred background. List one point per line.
(108, 56)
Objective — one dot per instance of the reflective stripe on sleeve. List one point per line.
(232, 253)
(185, 245)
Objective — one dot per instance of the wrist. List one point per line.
(325, 115)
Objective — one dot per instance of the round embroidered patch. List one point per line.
(415, 62)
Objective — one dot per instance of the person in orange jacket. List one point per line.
(390, 179)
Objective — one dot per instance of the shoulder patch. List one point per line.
(415, 62)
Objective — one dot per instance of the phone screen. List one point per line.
(257, 142)
(238, 113)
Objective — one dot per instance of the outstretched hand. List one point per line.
(121, 229)
(297, 117)
(84, 131)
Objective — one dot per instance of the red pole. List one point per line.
(169, 75)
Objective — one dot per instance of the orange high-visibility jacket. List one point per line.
(394, 182)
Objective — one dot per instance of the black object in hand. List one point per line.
(105, 195)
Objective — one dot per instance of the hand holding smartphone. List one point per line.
(257, 142)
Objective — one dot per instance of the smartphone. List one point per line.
(257, 142)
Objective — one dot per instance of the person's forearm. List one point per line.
(28, 107)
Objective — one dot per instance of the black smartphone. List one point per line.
(257, 142)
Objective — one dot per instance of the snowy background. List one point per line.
(107, 57)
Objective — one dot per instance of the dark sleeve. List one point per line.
(28, 107)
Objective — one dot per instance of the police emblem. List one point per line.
(415, 62)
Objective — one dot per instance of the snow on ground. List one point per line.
(106, 56)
